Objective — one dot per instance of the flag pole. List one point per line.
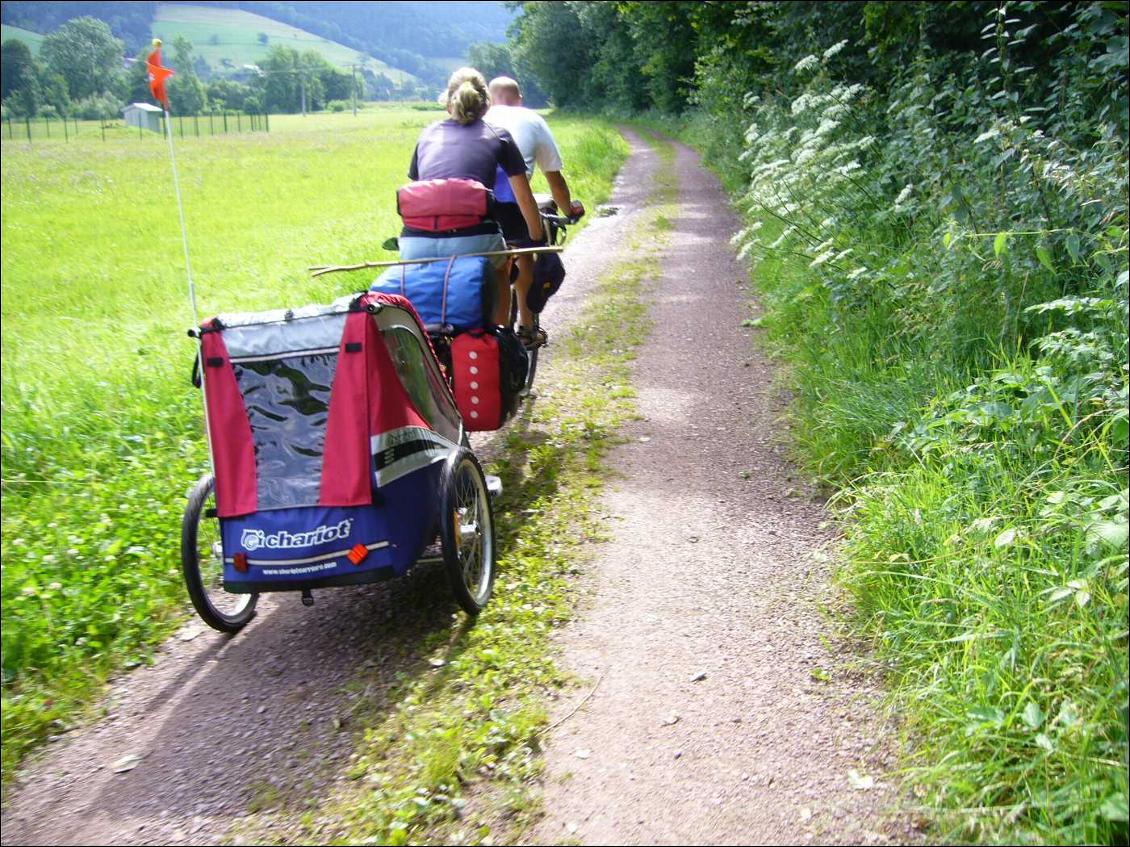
(180, 210)
(157, 77)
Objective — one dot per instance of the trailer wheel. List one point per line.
(466, 531)
(202, 562)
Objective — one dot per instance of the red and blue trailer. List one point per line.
(339, 457)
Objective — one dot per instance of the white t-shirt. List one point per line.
(531, 133)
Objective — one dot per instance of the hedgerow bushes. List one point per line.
(944, 260)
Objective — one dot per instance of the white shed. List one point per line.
(143, 115)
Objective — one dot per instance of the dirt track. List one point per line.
(718, 715)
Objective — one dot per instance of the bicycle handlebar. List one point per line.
(561, 220)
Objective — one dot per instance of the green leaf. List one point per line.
(1000, 243)
(1120, 431)
(1033, 715)
(1059, 594)
(947, 240)
(1072, 243)
(1115, 807)
(987, 714)
(1107, 534)
(1005, 538)
(1045, 257)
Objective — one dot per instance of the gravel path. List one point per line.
(716, 712)
(703, 629)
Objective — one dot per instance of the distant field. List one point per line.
(101, 429)
(229, 38)
(31, 39)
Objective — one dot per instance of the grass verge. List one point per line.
(102, 432)
(984, 517)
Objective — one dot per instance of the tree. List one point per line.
(553, 43)
(86, 54)
(19, 83)
(137, 82)
(491, 60)
(380, 85)
(665, 49)
(228, 94)
(187, 94)
(53, 90)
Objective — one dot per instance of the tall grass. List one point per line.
(102, 432)
(948, 284)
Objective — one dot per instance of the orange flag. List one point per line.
(157, 77)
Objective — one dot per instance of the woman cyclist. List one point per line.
(465, 147)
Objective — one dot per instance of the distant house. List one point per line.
(143, 115)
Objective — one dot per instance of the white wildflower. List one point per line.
(805, 64)
(826, 126)
(904, 194)
(789, 230)
(822, 258)
(834, 49)
(857, 273)
(805, 154)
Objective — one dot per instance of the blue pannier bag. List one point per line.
(456, 292)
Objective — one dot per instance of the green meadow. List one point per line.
(232, 36)
(102, 430)
(31, 39)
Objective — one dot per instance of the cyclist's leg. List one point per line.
(522, 287)
(500, 316)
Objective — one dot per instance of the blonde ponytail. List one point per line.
(467, 98)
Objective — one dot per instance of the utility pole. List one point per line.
(302, 82)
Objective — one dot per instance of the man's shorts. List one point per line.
(514, 228)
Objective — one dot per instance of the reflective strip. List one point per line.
(267, 563)
(402, 451)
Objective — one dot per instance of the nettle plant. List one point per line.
(805, 167)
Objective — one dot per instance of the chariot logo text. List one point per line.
(256, 539)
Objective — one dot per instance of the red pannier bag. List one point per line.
(441, 205)
(488, 367)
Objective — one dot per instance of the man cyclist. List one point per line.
(538, 147)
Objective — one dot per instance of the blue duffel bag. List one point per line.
(455, 292)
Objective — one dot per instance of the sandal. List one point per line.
(532, 338)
